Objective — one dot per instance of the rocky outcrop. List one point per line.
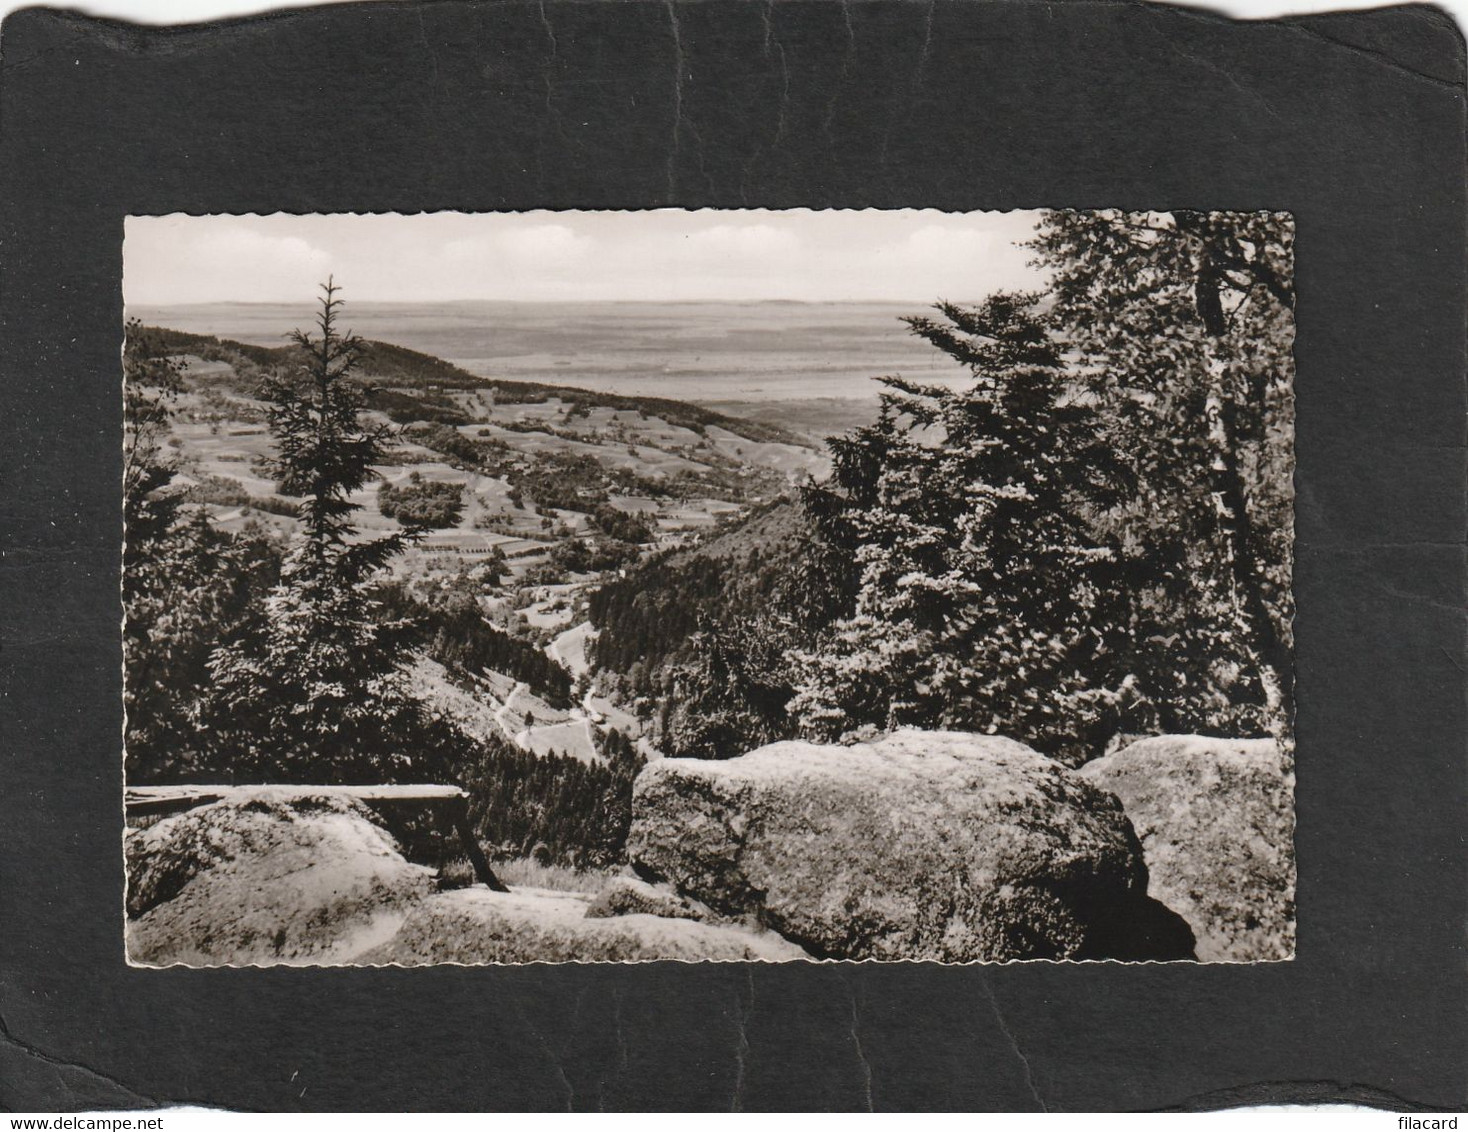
(280, 878)
(476, 926)
(922, 845)
(270, 879)
(627, 896)
(1216, 821)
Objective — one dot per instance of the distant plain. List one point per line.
(817, 360)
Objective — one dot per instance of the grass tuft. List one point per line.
(525, 872)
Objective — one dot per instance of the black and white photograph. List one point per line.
(720, 585)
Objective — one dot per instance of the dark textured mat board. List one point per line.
(1353, 122)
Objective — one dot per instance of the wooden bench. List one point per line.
(450, 803)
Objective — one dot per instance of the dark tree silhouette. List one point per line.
(317, 691)
(1181, 326)
(183, 583)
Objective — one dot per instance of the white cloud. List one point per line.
(540, 244)
(741, 242)
(942, 242)
(663, 254)
(171, 260)
(959, 260)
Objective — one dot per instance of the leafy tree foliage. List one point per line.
(650, 613)
(1180, 327)
(1092, 538)
(584, 556)
(412, 408)
(152, 382)
(649, 617)
(189, 589)
(316, 691)
(422, 503)
(489, 456)
(701, 641)
(620, 525)
(449, 627)
(730, 695)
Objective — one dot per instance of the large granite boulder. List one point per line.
(281, 878)
(529, 925)
(275, 878)
(1216, 818)
(921, 845)
(629, 896)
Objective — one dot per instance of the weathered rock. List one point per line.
(921, 845)
(319, 880)
(268, 880)
(527, 925)
(1216, 821)
(626, 896)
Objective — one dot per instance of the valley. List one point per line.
(545, 490)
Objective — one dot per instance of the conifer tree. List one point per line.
(981, 586)
(318, 692)
(183, 582)
(729, 696)
(151, 383)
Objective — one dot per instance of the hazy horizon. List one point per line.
(705, 350)
(657, 256)
(877, 302)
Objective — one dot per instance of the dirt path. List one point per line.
(568, 649)
(504, 709)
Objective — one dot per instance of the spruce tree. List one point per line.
(729, 695)
(981, 585)
(318, 691)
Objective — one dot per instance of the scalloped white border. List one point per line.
(327, 964)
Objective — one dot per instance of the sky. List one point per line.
(905, 255)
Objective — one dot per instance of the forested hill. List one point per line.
(646, 617)
(399, 373)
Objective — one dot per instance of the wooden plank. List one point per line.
(457, 811)
(450, 801)
(155, 799)
(140, 805)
